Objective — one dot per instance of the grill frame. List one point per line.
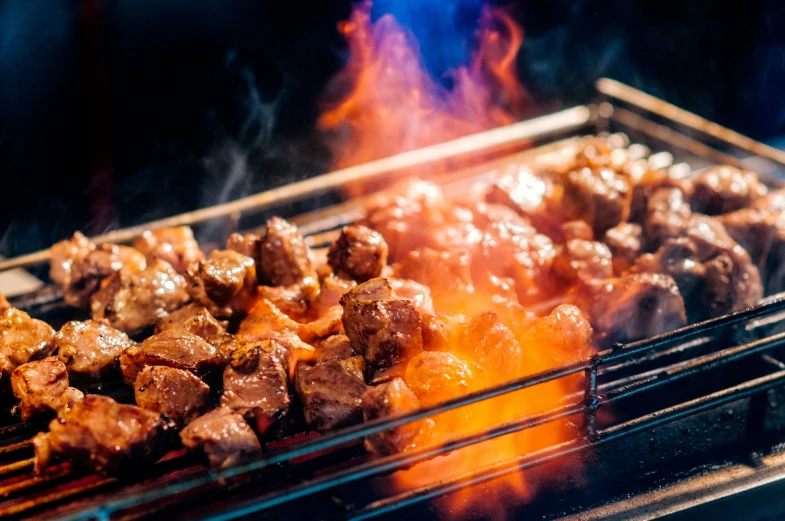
(617, 105)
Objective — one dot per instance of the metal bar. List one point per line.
(643, 423)
(657, 106)
(591, 402)
(517, 133)
(25, 506)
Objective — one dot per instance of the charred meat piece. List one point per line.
(667, 217)
(384, 329)
(225, 282)
(678, 258)
(246, 244)
(285, 257)
(104, 436)
(532, 195)
(265, 319)
(79, 266)
(256, 383)
(436, 376)
(331, 392)
(176, 246)
(23, 339)
(625, 241)
(565, 335)
(177, 394)
(725, 189)
(224, 436)
(391, 399)
(634, 306)
(90, 349)
(761, 232)
(293, 300)
(42, 386)
(195, 319)
(599, 197)
(576, 230)
(359, 253)
(709, 236)
(132, 300)
(335, 347)
(172, 348)
(648, 184)
(732, 284)
(581, 260)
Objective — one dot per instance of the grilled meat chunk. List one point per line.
(580, 260)
(90, 349)
(330, 293)
(225, 282)
(761, 232)
(667, 217)
(285, 257)
(79, 266)
(42, 386)
(195, 319)
(132, 300)
(634, 306)
(224, 436)
(391, 399)
(246, 244)
(723, 189)
(651, 182)
(625, 241)
(177, 394)
(256, 383)
(732, 284)
(293, 300)
(774, 201)
(445, 273)
(331, 392)
(176, 246)
(435, 376)
(576, 230)
(564, 336)
(599, 197)
(172, 348)
(518, 252)
(335, 347)
(104, 436)
(384, 329)
(23, 339)
(533, 195)
(492, 347)
(359, 253)
(709, 236)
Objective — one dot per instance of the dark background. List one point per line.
(118, 111)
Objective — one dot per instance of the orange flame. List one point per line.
(393, 105)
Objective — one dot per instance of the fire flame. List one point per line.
(383, 103)
(393, 105)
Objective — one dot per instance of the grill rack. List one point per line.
(697, 348)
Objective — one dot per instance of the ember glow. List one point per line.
(384, 101)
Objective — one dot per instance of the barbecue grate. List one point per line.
(698, 368)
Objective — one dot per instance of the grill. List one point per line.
(697, 413)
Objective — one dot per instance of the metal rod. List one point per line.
(517, 133)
